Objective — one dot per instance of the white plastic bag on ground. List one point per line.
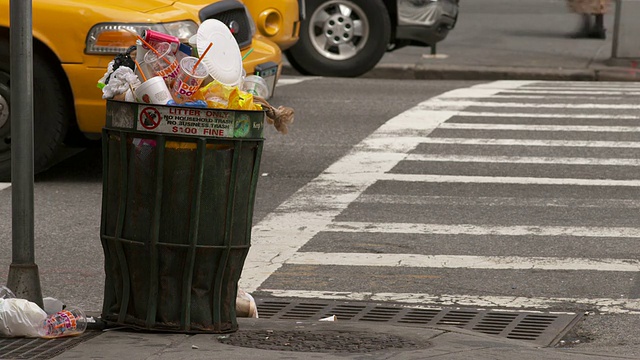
(20, 317)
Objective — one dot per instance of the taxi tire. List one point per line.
(51, 110)
(305, 59)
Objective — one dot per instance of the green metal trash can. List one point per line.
(177, 204)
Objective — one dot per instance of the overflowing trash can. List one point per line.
(177, 204)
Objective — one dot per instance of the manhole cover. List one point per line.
(544, 329)
(326, 341)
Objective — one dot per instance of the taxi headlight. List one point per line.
(115, 38)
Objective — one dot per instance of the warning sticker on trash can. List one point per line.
(186, 121)
(180, 120)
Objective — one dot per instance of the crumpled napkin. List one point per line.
(121, 80)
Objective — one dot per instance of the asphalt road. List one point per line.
(507, 195)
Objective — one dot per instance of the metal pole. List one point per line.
(23, 278)
(616, 29)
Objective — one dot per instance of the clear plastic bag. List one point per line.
(6, 293)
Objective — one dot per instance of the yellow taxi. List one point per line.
(278, 20)
(74, 41)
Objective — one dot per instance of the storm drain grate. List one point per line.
(40, 349)
(542, 329)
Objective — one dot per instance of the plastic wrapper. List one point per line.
(221, 96)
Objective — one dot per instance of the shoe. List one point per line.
(585, 28)
(597, 34)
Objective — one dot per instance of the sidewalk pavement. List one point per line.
(318, 340)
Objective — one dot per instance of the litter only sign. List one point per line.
(181, 120)
(186, 121)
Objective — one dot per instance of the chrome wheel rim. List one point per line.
(339, 29)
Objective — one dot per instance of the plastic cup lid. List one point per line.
(223, 60)
(187, 64)
(162, 48)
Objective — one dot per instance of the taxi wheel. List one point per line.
(343, 38)
(51, 111)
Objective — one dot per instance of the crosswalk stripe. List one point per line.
(4, 185)
(464, 262)
(591, 86)
(500, 201)
(365, 176)
(470, 229)
(524, 160)
(590, 115)
(522, 127)
(557, 84)
(564, 97)
(602, 305)
(448, 103)
(522, 142)
(574, 92)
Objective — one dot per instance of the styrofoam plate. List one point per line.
(223, 60)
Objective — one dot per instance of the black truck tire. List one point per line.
(52, 110)
(341, 44)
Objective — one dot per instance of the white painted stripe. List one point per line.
(4, 185)
(603, 305)
(627, 93)
(583, 87)
(313, 207)
(559, 83)
(500, 201)
(463, 262)
(495, 201)
(470, 229)
(499, 86)
(447, 104)
(526, 142)
(591, 115)
(527, 127)
(283, 81)
(524, 160)
(540, 97)
(587, 84)
(355, 177)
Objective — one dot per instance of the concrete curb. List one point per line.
(491, 73)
